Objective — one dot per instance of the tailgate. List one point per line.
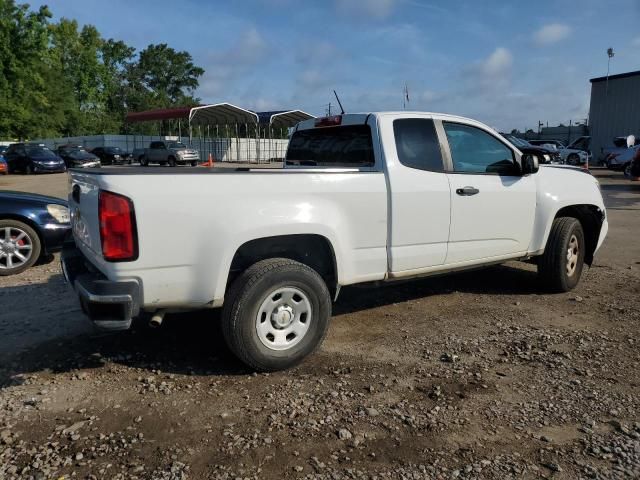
(83, 205)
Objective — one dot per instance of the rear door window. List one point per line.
(348, 146)
(417, 144)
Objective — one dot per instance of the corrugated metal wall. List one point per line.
(614, 111)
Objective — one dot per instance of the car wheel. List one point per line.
(561, 264)
(573, 159)
(275, 314)
(19, 247)
(28, 169)
(627, 169)
(143, 161)
(172, 162)
(194, 164)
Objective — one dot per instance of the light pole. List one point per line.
(610, 54)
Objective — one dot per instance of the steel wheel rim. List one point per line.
(16, 247)
(283, 318)
(573, 253)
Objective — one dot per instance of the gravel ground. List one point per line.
(476, 375)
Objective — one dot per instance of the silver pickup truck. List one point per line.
(170, 153)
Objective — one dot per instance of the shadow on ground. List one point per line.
(192, 344)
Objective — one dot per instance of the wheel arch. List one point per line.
(591, 218)
(313, 250)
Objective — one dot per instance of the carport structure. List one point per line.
(231, 133)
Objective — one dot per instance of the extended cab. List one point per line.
(169, 153)
(361, 198)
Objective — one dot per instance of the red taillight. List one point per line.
(117, 227)
(329, 121)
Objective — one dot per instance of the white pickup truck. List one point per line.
(361, 198)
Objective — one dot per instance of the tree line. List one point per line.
(60, 79)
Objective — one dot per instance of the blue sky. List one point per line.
(507, 63)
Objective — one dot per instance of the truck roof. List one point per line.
(361, 117)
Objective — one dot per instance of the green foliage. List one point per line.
(59, 79)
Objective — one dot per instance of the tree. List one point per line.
(23, 47)
(60, 79)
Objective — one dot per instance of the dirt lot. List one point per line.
(476, 375)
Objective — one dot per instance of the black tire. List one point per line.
(35, 247)
(143, 161)
(194, 164)
(28, 170)
(243, 303)
(172, 162)
(573, 159)
(554, 265)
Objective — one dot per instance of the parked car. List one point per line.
(577, 153)
(137, 154)
(622, 159)
(31, 227)
(76, 156)
(110, 155)
(32, 158)
(362, 198)
(170, 153)
(554, 144)
(127, 157)
(616, 157)
(4, 168)
(544, 155)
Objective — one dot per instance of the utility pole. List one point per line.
(328, 110)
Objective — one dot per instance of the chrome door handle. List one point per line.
(467, 191)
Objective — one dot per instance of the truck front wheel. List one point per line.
(561, 264)
(275, 314)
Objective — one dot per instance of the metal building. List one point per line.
(614, 110)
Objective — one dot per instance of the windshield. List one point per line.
(115, 150)
(40, 152)
(177, 145)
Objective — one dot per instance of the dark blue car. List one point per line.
(33, 158)
(31, 227)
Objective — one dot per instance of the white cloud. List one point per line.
(223, 68)
(377, 9)
(497, 64)
(552, 33)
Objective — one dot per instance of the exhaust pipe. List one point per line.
(157, 319)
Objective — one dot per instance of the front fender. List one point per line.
(558, 188)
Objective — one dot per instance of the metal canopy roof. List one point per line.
(284, 118)
(159, 114)
(220, 114)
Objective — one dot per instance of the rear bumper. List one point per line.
(110, 305)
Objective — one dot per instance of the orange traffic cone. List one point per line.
(211, 160)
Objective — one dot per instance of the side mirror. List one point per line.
(529, 164)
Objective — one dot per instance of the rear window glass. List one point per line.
(347, 146)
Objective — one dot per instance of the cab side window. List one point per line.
(475, 151)
(417, 144)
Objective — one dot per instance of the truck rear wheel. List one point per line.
(561, 264)
(275, 314)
